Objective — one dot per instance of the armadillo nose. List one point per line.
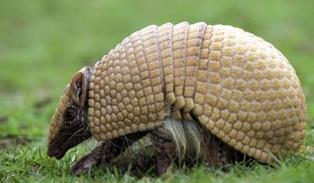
(58, 154)
(53, 153)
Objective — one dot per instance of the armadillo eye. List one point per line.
(69, 115)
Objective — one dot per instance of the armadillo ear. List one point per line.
(79, 86)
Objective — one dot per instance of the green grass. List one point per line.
(42, 43)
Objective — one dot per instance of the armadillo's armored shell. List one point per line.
(237, 85)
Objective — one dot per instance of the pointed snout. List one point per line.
(55, 153)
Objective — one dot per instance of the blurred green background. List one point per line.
(43, 43)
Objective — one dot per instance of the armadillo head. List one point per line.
(69, 124)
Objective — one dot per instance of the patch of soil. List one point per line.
(4, 119)
(8, 141)
(42, 102)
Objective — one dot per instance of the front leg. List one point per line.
(105, 152)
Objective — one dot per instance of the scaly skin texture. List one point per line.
(238, 86)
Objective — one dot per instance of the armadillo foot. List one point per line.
(83, 165)
(104, 153)
(166, 152)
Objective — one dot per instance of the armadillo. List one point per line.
(231, 83)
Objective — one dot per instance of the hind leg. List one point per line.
(105, 152)
(215, 155)
(166, 151)
(218, 154)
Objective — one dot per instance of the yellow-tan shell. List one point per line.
(235, 84)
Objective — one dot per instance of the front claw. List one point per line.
(104, 153)
(84, 165)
